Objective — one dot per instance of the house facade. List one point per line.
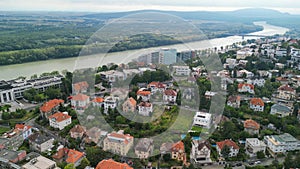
(234, 148)
(234, 101)
(254, 145)
(200, 153)
(129, 105)
(145, 108)
(280, 110)
(40, 142)
(281, 143)
(251, 126)
(245, 87)
(170, 96)
(118, 142)
(286, 92)
(50, 107)
(257, 104)
(202, 119)
(80, 101)
(77, 131)
(144, 148)
(60, 120)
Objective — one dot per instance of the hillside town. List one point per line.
(56, 120)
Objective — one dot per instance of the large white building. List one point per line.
(281, 143)
(167, 56)
(202, 119)
(200, 153)
(254, 145)
(182, 70)
(60, 120)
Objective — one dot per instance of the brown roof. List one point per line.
(111, 164)
(126, 137)
(61, 153)
(80, 97)
(257, 101)
(202, 143)
(145, 104)
(234, 98)
(286, 88)
(48, 106)
(170, 92)
(179, 146)
(80, 85)
(227, 142)
(77, 129)
(251, 124)
(245, 84)
(59, 116)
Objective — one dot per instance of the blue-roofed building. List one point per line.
(280, 110)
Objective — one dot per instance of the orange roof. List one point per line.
(257, 101)
(78, 86)
(48, 106)
(179, 146)
(77, 129)
(245, 84)
(170, 92)
(227, 142)
(111, 164)
(98, 100)
(234, 98)
(144, 93)
(125, 137)
(74, 156)
(80, 97)
(156, 84)
(251, 124)
(21, 126)
(59, 116)
(132, 101)
(286, 88)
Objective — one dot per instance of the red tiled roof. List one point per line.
(144, 93)
(132, 101)
(111, 164)
(61, 153)
(80, 85)
(80, 97)
(251, 124)
(73, 156)
(59, 116)
(245, 84)
(77, 129)
(286, 88)
(157, 84)
(227, 142)
(170, 92)
(21, 126)
(98, 100)
(179, 146)
(48, 106)
(126, 137)
(257, 101)
(145, 104)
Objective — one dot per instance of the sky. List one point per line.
(290, 6)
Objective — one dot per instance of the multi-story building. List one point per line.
(105, 164)
(144, 148)
(251, 126)
(167, 56)
(80, 87)
(234, 101)
(233, 147)
(6, 92)
(110, 102)
(182, 70)
(280, 110)
(145, 108)
(281, 143)
(170, 96)
(144, 94)
(202, 119)
(24, 129)
(77, 131)
(40, 142)
(112, 75)
(40, 162)
(60, 120)
(246, 88)
(257, 104)
(200, 153)
(178, 151)
(118, 142)
(129, 105)
(50, 107)
(254, 145)
(80, 101)
(286, 92)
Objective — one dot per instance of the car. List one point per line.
(257, 162)
(239, 164)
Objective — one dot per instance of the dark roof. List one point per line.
(39, 138)
(203, 143)
(144, 144)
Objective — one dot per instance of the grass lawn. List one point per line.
(4, 130)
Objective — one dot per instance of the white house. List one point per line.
(234, 148)
(202, 119)
(257, 82)
(280, 110)
(80, 101)
(60, 120)
(281, 143)
(286, 92)
(244, 87)
(254, 145)
(182, 70)
(24, 129)
(112, 75)
(247, 73)
(144, 94)
(234, 101)
(170, 96)
(110, 102)
(200, 153)
(257, 104)
(145, 108)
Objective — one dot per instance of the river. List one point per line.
(28, 69)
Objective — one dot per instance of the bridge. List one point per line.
(250, 35)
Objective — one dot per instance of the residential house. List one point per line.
(280, 110)
(40, 142)
(74, 157)
(40, 162)
(244, 73)
(178, 151)
(282, 80)
(257, 82)
(156, 86)
(145, 108)
(251, 126)
(93, 135)
(200, 153)
(110, 102)
(107, 164)
(77, 131)
(24, 129)
(244, 87)
(118, 142)
(50, 107)
(202, 119)
(112, 75)
(143, 94)
(60, 120)
(144, 148)
(286, 92)
(254, 145)
(257, 104)
(12, 155)
(170, 96)
(281, 143)
(98, 102)
(80, 87)
(80, 101)
(129, 105)
(234, 101)
(234, 148)
(182, 70)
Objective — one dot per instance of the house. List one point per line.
(257, 104)
(202, 119)
(182, 70)
(24, 129)
(281, 143)
(170, 96)
(280, 110)
(234, 148)
(111, 164)
(234, 101)
(156, 86)
(178, 151)
(12, 156)
(50, 107)
(143, 94)
(244, 73)
(112, 75)
(254, 145)
(244, 87)
(69, 156)
(286, 92)
(110, 102)
(145, 108)
(200, 153)
(98, 102)
(251, 126)
(129, 105)
(118, 142)
(144, 148)
(279, 65)
(40, 142)
(80, 87)
(60, 120)
(93, 135)
(80, 101)
(257, 82)
(40, 162)
(282, 80)
(77, 131)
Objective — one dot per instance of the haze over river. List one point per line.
(70, 64)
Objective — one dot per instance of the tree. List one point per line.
(84, 163)
(225, 151)
(70, 166)
(260, 155)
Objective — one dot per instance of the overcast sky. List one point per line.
(291, 6)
